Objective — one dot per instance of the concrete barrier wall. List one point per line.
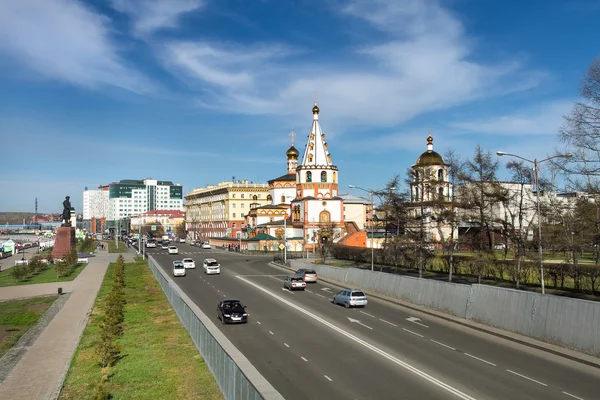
(235, 375)
(570, 323)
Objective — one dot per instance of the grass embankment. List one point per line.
(17, 316)
(157, 359)
(47, 276)
(112, 248)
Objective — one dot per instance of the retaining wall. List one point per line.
(235, 375)
(567, 322)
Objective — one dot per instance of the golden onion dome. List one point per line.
(292, 152)
(430, 157)
(315, 109)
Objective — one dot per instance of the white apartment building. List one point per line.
(133, 197)
(95, 203)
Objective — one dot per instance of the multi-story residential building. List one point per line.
(133, 197)
(95, 208)
(219, 210)
(169, 219)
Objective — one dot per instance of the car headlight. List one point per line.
(227, 315)
(245, 314)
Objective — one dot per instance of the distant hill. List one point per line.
(16, 217)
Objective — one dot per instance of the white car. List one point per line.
(181, 240)
(173, 250)
(206, 245)
(178, 268)
(211, 266)
(150, 244)
(164, 246)
(189, 263)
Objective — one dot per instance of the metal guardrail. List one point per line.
(235, 375)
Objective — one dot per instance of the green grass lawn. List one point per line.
(112, 248)
(6, 278)
(17, 316)
(159, 360)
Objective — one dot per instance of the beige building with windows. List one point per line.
(220, 210)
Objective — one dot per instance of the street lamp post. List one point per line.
(285, 233)
(536, 164)
(372, 231)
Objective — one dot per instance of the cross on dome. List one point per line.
(292, 135)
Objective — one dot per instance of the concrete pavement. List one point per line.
(41, 371)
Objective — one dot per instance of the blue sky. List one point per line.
(199, 91)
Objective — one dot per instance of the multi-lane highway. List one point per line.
(310, 349)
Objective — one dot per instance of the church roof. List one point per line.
(262, 236)
(430, 157)
(286, 177)
(350, 199)
(315, 151)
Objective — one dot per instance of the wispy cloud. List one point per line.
(544, 119)
(152, 15)
(422, 63)
(63, 40)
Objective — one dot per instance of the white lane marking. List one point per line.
(287, 290)
(286, 345)
(264, 275)
(218, 291)
(308, 290)
(442, 344)
(358, 322)
(414, 333)
(573, 396)
(271, 276)
(258, 322)
(326, 289)
(387, 322)
(372, 316)
(526, 377)
(224, 296)
(364, 343)
(271, 333)
(320, 295)
(480, 359)
(416, 320)
(304, 359)
(328, 378)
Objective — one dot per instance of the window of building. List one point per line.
(283, 199)
(323, 176)
(308, 176)
(233, 195)
(233, 225)
(441, 175)
(441, 192)
(417, 176)
(233, 205)
(269, 198)
(254, 198)
(242, 205)
(233, 215)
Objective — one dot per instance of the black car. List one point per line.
(232, 311)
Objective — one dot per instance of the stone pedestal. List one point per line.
(64, 242)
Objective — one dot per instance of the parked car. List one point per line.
(173, 250)
(294, 283)
(232, 311)
(206, 245)
(181, 240)
(211, 266)
(189, 263)
(309, 275)
(178, 268)
(350, 298)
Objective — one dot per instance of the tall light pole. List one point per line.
(372, 231)
(285, 233)
(536, 164)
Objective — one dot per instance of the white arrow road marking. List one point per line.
(395, 360)
(358, 322)
(326, 289)
(416, 320)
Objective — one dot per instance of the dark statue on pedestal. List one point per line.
(66, 214)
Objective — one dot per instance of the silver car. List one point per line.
(350, 298)
(309, 275)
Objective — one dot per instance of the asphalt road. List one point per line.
(310, 349)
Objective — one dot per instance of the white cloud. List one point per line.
(152, 15)
(65, 41)
(544, 119)
(423, 64)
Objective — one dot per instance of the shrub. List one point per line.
(18, 272)
(61, 268)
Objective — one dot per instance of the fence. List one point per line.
(234, 374)
(563, 321)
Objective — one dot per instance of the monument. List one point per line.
(65, 235)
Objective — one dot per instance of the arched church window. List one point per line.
(323, 176)
(441, 193)
(254, 197)
(310, 157)
(428, 192)
(308, 176)
(283, 199)
(334, 177)
(441, 175)
(329, 158)
(416, 176)
(417, 194)
(311, 146)
(324, 217)
(269, 198)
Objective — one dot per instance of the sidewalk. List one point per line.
(42, 369)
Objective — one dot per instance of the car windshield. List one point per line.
(310, 272)
(358, 294)
(296, 279)
(178, 265)
(188, 260)
(212, 263)
(228, 306)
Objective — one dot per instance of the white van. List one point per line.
(178, 268)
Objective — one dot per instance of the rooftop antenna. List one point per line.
(36, 210)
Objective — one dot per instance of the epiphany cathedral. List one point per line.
(305, 205)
